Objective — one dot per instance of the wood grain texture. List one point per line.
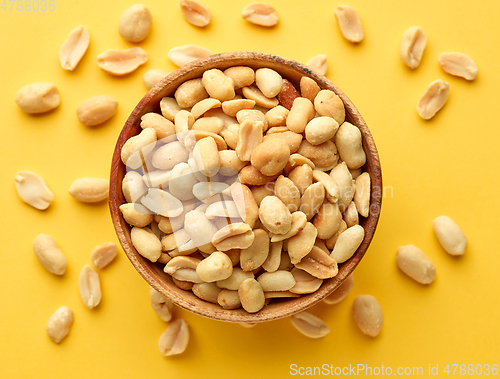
(153, 272)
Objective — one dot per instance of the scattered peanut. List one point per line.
(261, 14)
(74, 48)
(153, 77)
(96, 110)
(174, 339)
(122, 62)
(135, 23)
(59, 324)
(196, 13)
(89, 190)
(449, 235)
(103, 254)
(32, 189)
(433, 99)
(412, 46)
(49, 254)
(458, 64)
(349, 23)
(414, 263)
(38, 97)
(90, 287)
(310, 325)
(319, 64)
(368, 315)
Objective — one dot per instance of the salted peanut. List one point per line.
(169, 107)
(273, 259)
(270, 156)
(450, 236)
(327, 103)
(217, 266)
(122, 62)
(38, 97)
(182, 284)
(274, 215)
(327, 220)
(199, 227)
(349, 23)
(280, 280)
(293, 140)
(260, 192)
(242, 76)
(414, 263)
(341, 292)
(195, 135)
(59, 324)
(277, 116)
(261, 14)
(162, 203)
(268, 81)
(330, 242)
(288, 94)
(205, 190)
(253, 93)
(173, 241)
(310, 325)
(347, 243)
(204, 106)
(304, 282)
(341, 175)
(245, 203)
(183, 268)
(226, 209)
(136, 214)
(288, 193)
(209, 124)
(74, 48)
(251, 295)
(174, 339)
(412, 46)
(319, 264)
(302, 243)
(331, 187)
(182, 55)
(96, 110)
(218, 85)
(252, 115)
(312, 199)
(90, 287)
(301, 113)
(256, 254)
(433, 99)
(249, 137)
(153, 77)
(103, 254)
(240, 241)
(351, 215)
(137, 148)
(49, 254)
(89, 190)
(250, 175)
(368, 315)
(350, 145)
(164, 258)
(309, 88)
(362, 194)
(206, 156)
(163, 127)
(228, 299)
(190, 92)
(231, 230)
(322, 155)
(206, 291)
(232, 107)
(133, 187)
(301, 176)
(230, 135)
(298, 160)
(196, 13)
(299, 221)
(146, 243)
(458, 64)
(234, 281)
(319, 64)
(135, 23)
(32, 189)
(321, 129)
(161, 306)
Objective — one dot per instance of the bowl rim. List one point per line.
(186, 299)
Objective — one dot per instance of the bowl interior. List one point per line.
(153, 272)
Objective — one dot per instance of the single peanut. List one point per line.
(450, 236)
(218, 85)
(268, 81)
(270, 156)
(349, 23)
(146, 243)
(327, 103)
(319, 64)
(349, 143)
(161, 306)
(90, 287)
(38, 97)
(103, 254)
(261, 14)
(433, 99)
(153, 77)
(174, 339)
(347, 243)
(138, 148)
(49, 254)
(122, 62)
(458, 64)
(310, 325)
(135, 23)
(74, 48)
(256, 254)
(196, 13)
(251, 295)
(368, 315)
(304, 282)
(414, 263)
(32, 189)
(319, 264)
(89, 190)
(274, 215)
(412, 46)
(59, 324)
(302, 243)
(96, 110)
(301, 113)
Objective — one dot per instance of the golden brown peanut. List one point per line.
(59, 324)
(341, 292)
(195, 135)
(322, 155)
(449, 235)
(253, 93)
(90, 287)
(146, 243)
(260, 192)
(96, 110)
(89, 190)
(32, 189)
(196, 13)
(256, 254)
(274, 215)
(362, 194)
(309, 88)
(229, 162)
(182, 284)
(319, 64)
(217, 266)
(122, 62)
(341, 175)
(49, 254)
(277, 116)
(183, 268)
(161, 306)
(228, 299)
(190, 92)
(261, 14)
(206, 291)
(280, 280)
(153, 77)
(292, 139)
(312, 199)
(368, 315)
(351, 215)
(163, 127)
(209, 124)
(321, 129)
(136, 214)
(232, 107)
(412, 46)
(203, 106)
(174, 339)
(173, 241)
(302, 243)
(234, 281)
(103, 254)
(302, 177)
(349, 23)
(251, 176)
(327, 220)
(245, 203)
(268, 81)
(270, 156)
(199, 227)
(230, 135)
(330, 242)
(133, 187)
(231, 230)
(350, 145)
(242, 76)
(458, 64)
(135, 23)
(169, 107)
(137, 148)
(206, 156)
(182, 55)
(299, 221)
(288, 193)
(273, 259)
(249, 137)
(74, 48)
(414, 263)
(304, 282)
(319, 264)
(38, 97)
(347, 243)
(218, 85)
(298, 160)
(327, 103)
(251, 295)
(331, 187)
(310, 325)
(433, 99)
(301, 113)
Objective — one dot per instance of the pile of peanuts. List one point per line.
(245, 190)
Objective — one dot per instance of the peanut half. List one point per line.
(414, 263)
(433, 99)
(59, 324)
(96, 110)
(349, 23)
(74, 48)
(122, 62)
(196, 13)
(103, 254)
(261, 14)
(458, 64)
(90, 287)
(32, 189)
(412, 46)
(38, 97)
(310, 325)
(174, 339)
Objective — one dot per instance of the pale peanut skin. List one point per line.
(38, 97)
(49, 254)
(414, 263)
(368, 315)
(32, 189)
(96, 110)
(89, 190)
(59, 324)
(450, 236)
(135, 23)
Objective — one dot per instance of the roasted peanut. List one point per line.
(309, 88)
(349, 23)
(350, 145)
(327, 103)
(321, 129)
(146, 243)
(183, 268)
(242, 76)
(414, 263)
(299, 221)
(49, 254)
(161, 306)
(217, 266)
(319, 64)
(260, 192)
(327, 220)
(89, 190)
(319, 264)
(288, 94)
(304, 282)
(276, 281)
(136, 214)
(74, 48)
(153, 77)
(302, 177)
(135, 23)
(133, 187)
(362, 194)
(347, 243)
(206, 291)
(270, 156)
(232, 107)
(228, 299)
(261, 14)
(234, 281)
(449, 235)
(182, 55)
(256, 254)
(206, 156)
(433, 99)
(292, 139)
(458, 64)
(252, 115)
(351, 215)
(412, 46)
(253, 93)
(249, 137)
(218, 85)
(103, 254)
(251, 295)
(331, 187)
(341, 292)
(368, 315)
(190, 92)
(323, 155)
(250, 175)
(330, 242)
(38, 97)
(273, 259)
(196, 13)
(169, 107)
(163, 127)
(32, 189)
(288, 193)
(96, 110)
(302, 243)
(341, 175)
(122, 62)
(137, 148)
(274, 215)
(245, 203)
(268, 81)
(59, 324)
(301, 113)
(277, 116)
(90, 287)
(174, 339)
(310, 325)
(162, 203)
(312, 199)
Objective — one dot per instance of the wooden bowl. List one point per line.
(153, 272)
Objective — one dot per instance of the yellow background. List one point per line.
(448, 165)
